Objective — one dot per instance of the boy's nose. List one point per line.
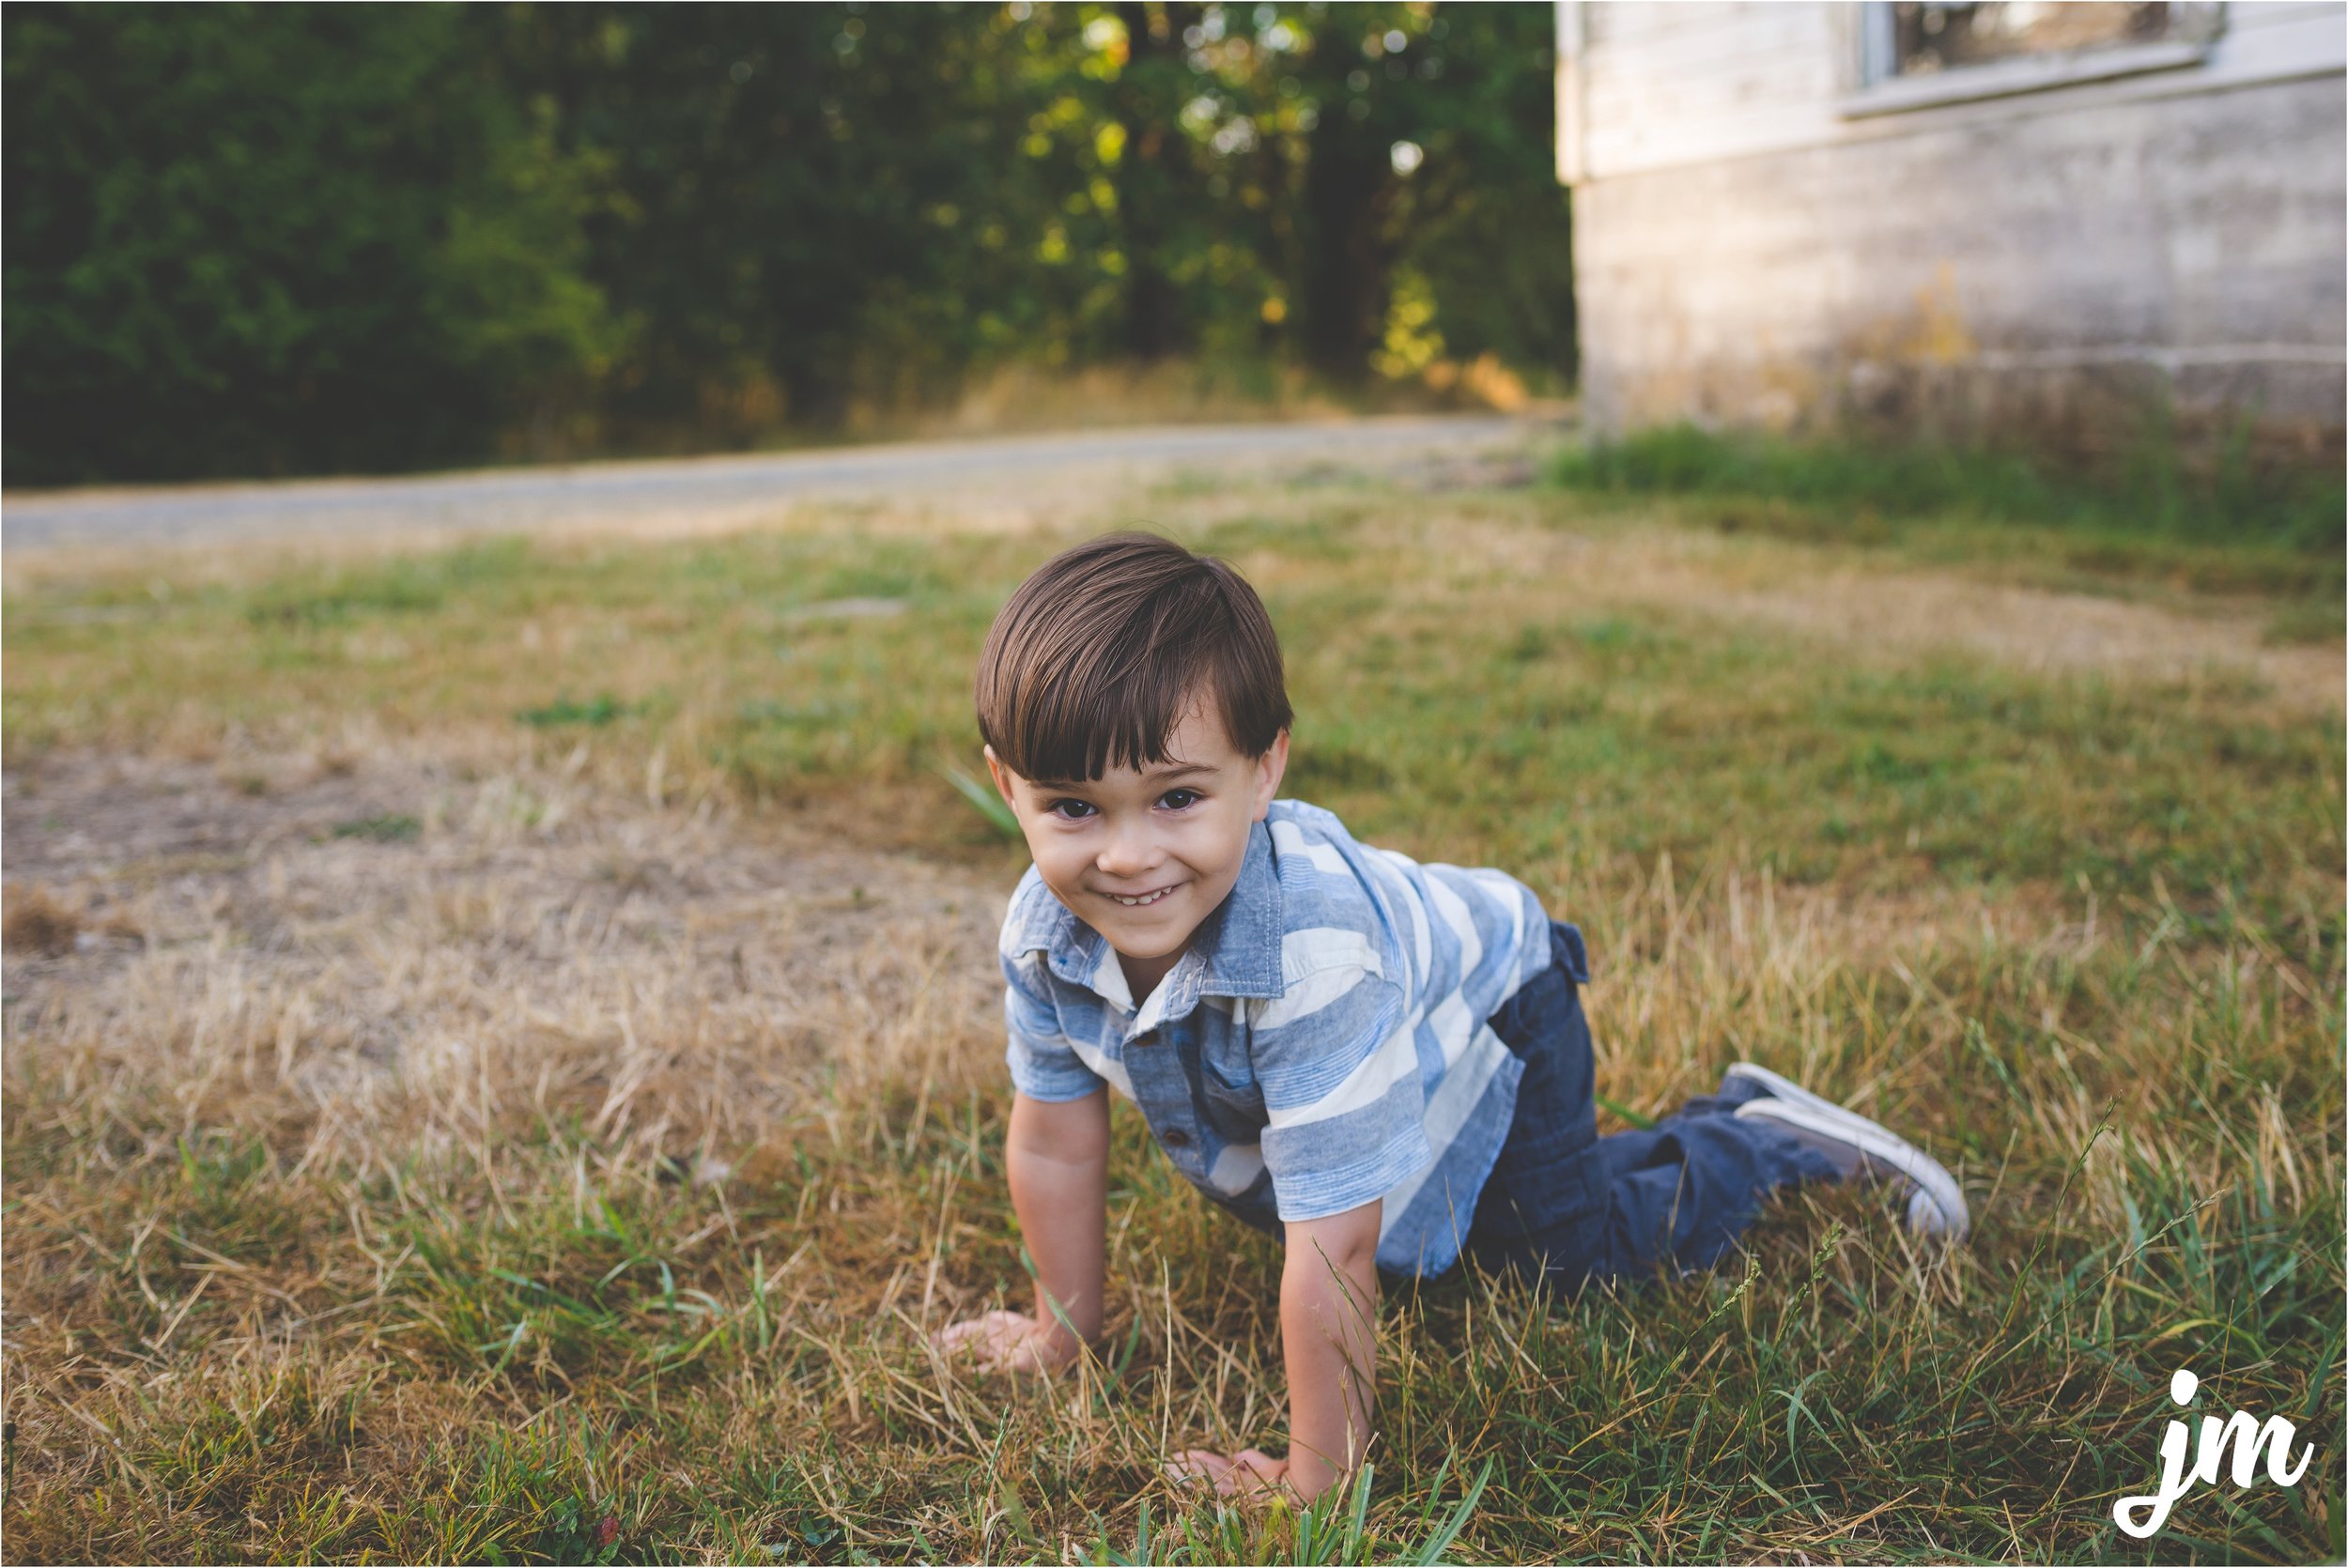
(1126, 855)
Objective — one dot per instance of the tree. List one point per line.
(1153, 169)
(1462, 95)
(262, 238)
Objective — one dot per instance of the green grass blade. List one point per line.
(983, 799)
(1626, 1112)
(1440, 1542)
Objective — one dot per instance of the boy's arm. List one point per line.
(1057, 1156)
(1329, 1338)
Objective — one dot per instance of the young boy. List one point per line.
(1384, 1062)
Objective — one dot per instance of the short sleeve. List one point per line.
(1338, 1062)
(1043, 1066)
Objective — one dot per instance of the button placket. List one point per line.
(1162, 1091)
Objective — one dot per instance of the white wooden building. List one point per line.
(2057, 220)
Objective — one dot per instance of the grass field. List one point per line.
(502, 1057)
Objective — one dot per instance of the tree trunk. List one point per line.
(1346, 255)
(1148, 98)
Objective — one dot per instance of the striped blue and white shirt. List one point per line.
(1323, 1040)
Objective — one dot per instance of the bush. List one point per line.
(267, 240)
(2150, 493)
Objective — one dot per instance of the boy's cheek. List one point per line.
(1063, 878)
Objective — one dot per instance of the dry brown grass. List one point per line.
(37, 922)
(369, 951)
(673, 992)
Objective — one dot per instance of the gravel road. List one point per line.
(718, 488)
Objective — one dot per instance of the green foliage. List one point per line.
(601, 711)
(388, 829)
(400, 586)
(1844, 486)
(985, 800)
(2314, 619)
(1482, 221)
(264, 239)
(1334, 1529)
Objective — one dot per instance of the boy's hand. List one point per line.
(1329, 1338)
(1250, 1470)
(1003, 1342)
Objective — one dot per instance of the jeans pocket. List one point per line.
(1542, 1201)
(1568, 951)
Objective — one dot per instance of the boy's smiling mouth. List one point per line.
(1141, 900)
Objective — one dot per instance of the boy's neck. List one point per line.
(1142, 976)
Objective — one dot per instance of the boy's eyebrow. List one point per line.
(1178, 770)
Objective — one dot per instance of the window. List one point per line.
(1919, 53)
(1934, 37)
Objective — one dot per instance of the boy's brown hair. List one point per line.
(1096, 656)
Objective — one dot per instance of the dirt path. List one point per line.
(722, 491)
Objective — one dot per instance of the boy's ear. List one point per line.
(1002, 777)
(1269, 769)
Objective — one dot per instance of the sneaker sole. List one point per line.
(1939, 1204)
(1794, 1094)
(1841, 1116)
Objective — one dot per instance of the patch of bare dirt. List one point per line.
(312, 949)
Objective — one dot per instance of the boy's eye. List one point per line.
(1179, 800)
(1071, 810)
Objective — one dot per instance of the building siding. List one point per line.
(2064, 263)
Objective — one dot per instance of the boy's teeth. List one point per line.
(1146, 899)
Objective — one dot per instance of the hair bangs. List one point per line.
(1098, 657)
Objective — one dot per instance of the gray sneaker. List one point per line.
(1859, 1147)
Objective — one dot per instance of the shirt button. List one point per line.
(1175, 1138)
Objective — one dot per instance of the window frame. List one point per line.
(2194, 28)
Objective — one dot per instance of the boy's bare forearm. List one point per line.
(1057, 1157)
(1329, 1336)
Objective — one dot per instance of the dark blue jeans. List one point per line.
(1563, 1200)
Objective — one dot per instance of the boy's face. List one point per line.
(1143, 856)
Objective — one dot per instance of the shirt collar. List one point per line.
(1234, 952)
(1240, 940)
